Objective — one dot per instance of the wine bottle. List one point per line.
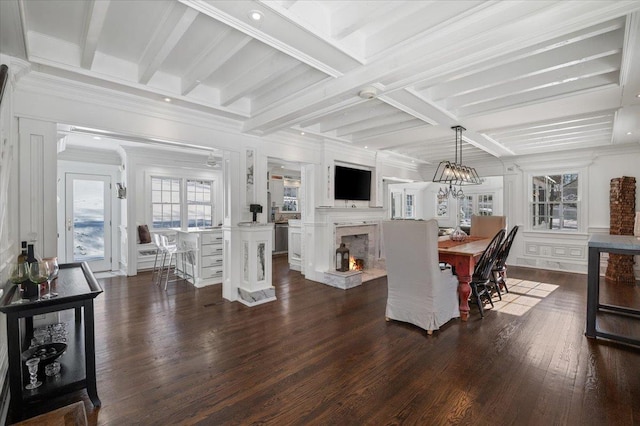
(22, 257)
(30, 289)
(31, 257)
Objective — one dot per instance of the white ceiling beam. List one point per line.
(169, 31)
(260, 73)
(219, 51)
(586, 134)
(571, 88)
(409, 123)
(351, 18)
(355, 106)
(576, 53)
(557, 123)
(360, 114)
(553, 132)
(97, 12)
(390, 118)
(415, 104)
(281, 30)
(299, 78)
(556, 77)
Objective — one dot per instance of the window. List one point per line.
(554, 202)
(165, 202)
(408, 203)
(290, 203)
(478, 204)
(177, 201)
(199, 208)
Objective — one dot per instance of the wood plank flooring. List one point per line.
(320, 355)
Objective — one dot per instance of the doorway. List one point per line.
(88, 220)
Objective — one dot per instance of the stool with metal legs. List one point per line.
(159, 251)
(171, 250)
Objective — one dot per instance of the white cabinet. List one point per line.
(276, 187)
(295, 245)
(208, 256)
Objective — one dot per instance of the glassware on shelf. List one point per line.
(19, 275)
(38, 274)
(52, 268)
(52, 369)
(32, 365)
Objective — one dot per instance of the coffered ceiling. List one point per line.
(522, 77)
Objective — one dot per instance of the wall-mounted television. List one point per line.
(352, 184)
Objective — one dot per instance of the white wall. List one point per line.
(9, 237)
(427, 196)
(566, 251)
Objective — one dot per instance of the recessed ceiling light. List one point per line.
(302, 133)
(255, 15)
(629, 133)
(638, 95)
(97, 138)
(365, 147)
(167, 99)
(282, 167)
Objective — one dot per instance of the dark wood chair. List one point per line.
(499, 272)
(481, 279)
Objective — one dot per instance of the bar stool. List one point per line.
(185, 250)
(155, 238)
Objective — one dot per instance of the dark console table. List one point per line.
(620, 244)
(76, 287)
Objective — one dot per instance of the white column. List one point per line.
(256, 287)
(38, 177)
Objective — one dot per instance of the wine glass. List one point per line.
(32, 365)
(52, 273)
(38, 274)
(18, 274)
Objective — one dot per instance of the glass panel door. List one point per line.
(88, 220)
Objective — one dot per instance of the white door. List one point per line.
(88, 220)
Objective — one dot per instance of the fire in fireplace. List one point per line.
(356, 264)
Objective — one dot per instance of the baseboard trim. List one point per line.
(4, 400)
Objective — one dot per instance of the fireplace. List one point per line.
(363, 242)
(358, 246)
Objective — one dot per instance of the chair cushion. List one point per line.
(143, 234)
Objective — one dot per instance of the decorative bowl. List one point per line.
(47, 353)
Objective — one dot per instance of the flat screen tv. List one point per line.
(352, 184)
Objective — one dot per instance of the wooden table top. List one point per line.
(472, 246)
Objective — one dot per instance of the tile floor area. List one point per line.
(522, 296)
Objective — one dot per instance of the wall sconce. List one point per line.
(121, 190)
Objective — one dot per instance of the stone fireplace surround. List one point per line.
(336, 223)
(361, 240)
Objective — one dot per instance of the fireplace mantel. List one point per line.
(321, 233)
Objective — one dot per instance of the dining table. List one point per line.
(462, 255)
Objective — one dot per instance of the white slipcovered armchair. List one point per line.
(419, 291)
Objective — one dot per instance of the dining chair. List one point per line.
(480, 281)
(420, 291)
(487, 226)
(499, 271)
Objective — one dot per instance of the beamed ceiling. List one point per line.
(523, 77)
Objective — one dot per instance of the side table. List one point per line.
(76, 287)
(621, 244)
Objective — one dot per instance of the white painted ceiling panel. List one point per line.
(523, 77)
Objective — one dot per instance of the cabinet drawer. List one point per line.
(208, 261)
(211, 238)
(211, 250)
(211, 272)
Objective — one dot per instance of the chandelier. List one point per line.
(455, 174)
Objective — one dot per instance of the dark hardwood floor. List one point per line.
(320, 355)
